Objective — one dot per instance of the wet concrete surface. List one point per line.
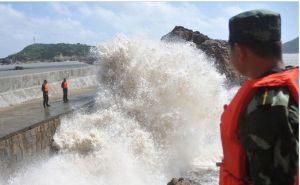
(24, 116)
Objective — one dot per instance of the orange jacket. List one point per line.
(45, 88)
(232, 170)
(64, 85)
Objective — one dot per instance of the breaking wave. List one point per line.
(156, 117)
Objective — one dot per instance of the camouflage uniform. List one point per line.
(268, 129)
(269, 133)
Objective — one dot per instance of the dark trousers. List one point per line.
(65, 98)
(45, 96)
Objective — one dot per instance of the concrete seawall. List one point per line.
(11, 83)
(26, 131)
(26, 143)
(19, 86)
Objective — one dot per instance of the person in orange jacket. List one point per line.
(64, 86)
(45, 89)
(260, 126)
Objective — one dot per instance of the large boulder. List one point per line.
(216, 49)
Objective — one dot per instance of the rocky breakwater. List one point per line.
(213, 48)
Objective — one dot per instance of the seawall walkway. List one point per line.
(27, 130)
(24, 116)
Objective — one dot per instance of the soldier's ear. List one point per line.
(242, 52)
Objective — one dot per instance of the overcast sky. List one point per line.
(94, 22)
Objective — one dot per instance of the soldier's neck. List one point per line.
(262, 66)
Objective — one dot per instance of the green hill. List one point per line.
(291, 46)
(50, 52)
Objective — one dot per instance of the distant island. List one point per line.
(291, 46)
(51, 53)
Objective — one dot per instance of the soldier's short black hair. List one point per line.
(271, 50)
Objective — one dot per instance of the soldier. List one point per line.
(259, 128)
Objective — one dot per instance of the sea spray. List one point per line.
(156, 114)
(171, 89)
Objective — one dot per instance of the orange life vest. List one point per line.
(45, 87)
(233, 167)
(65, 85)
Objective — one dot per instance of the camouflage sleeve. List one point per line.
(269, 134)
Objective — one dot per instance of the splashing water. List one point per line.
(156, 117)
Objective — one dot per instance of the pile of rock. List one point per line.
(216, 49)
